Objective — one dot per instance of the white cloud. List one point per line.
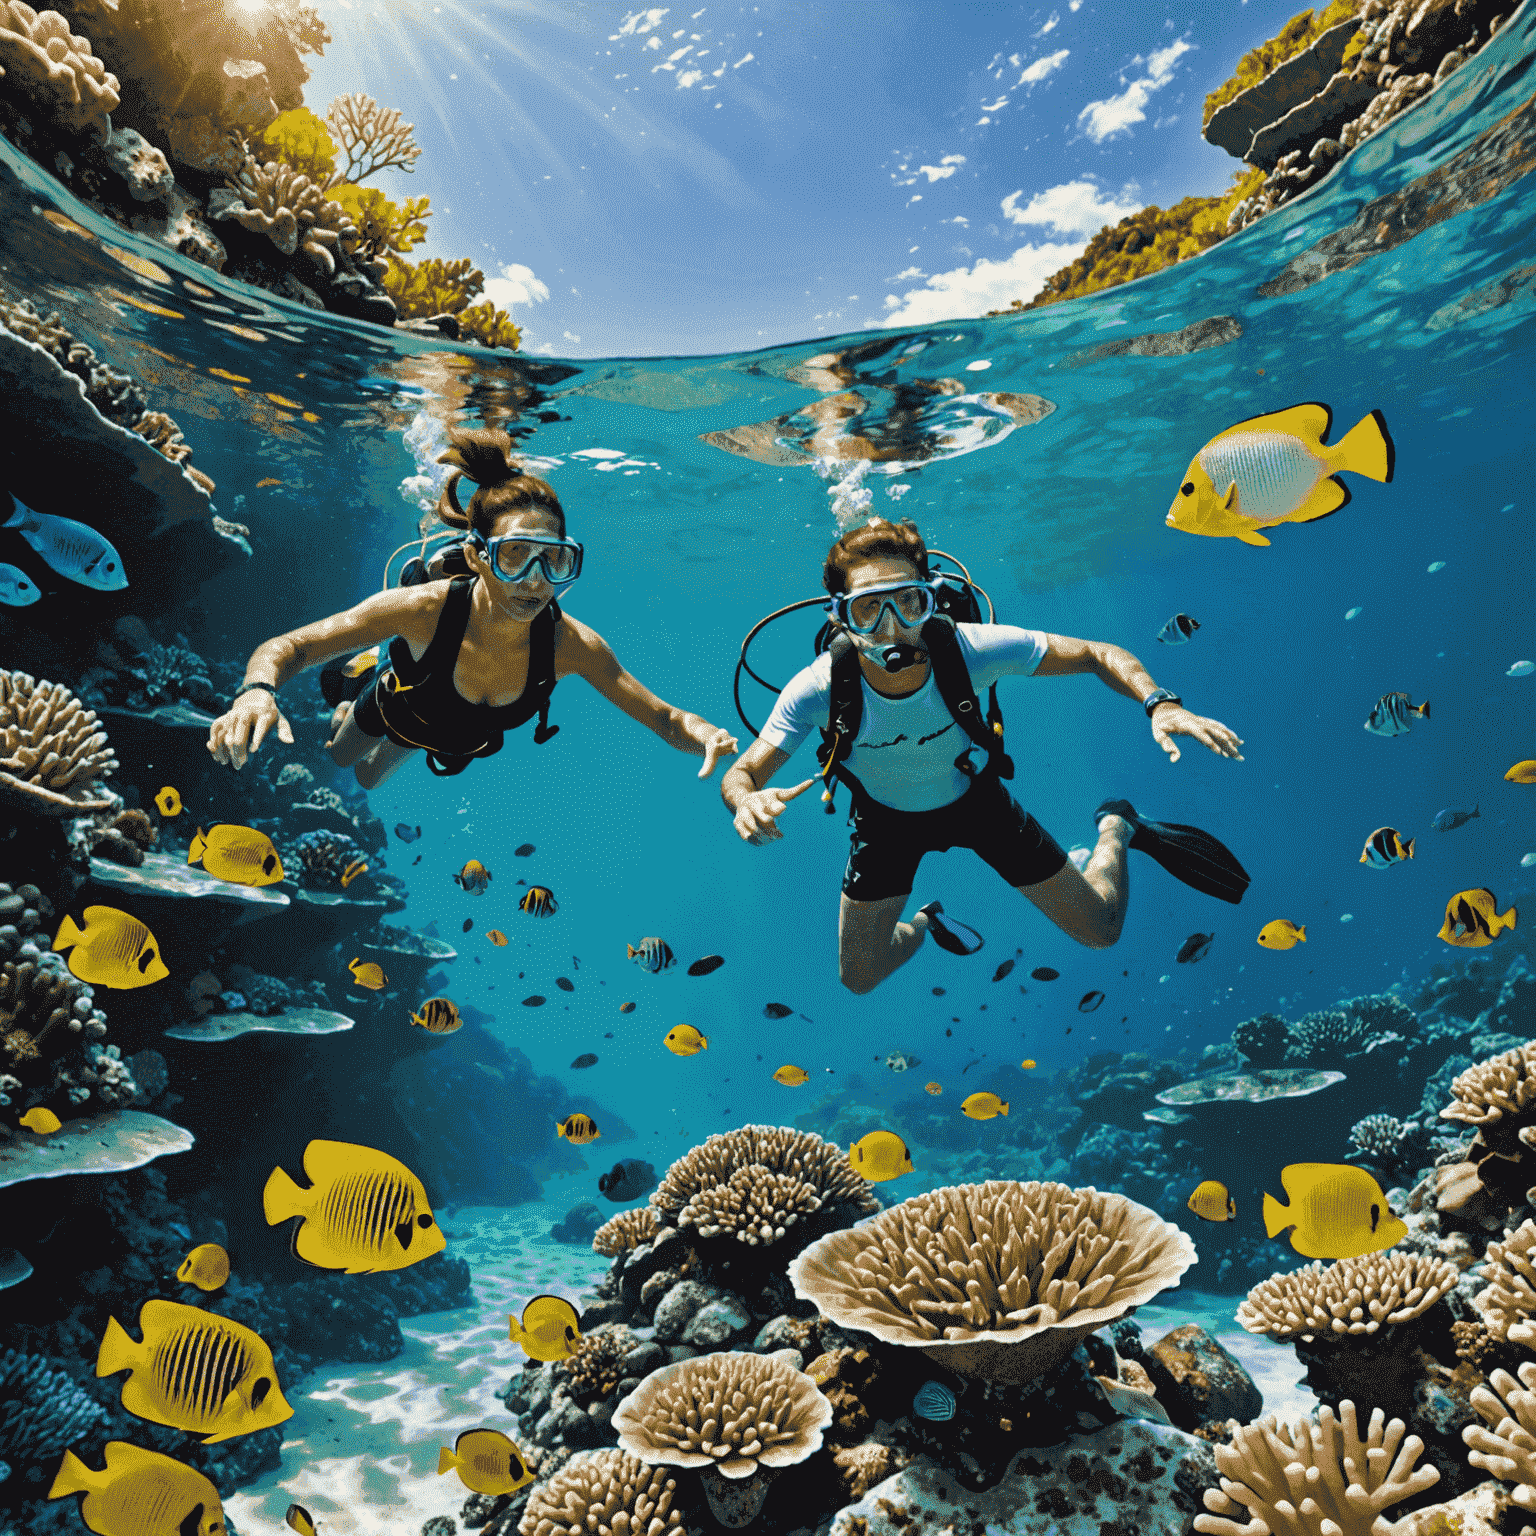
(516, 285)
(1051, 25)
(907, 275)
(570, 337)
(995, 106)
(689, 77)
(746, 58)
(968, 292)
(654, 42)
(639, 22)
(1117, 114)
(1037, 71)
(959, 219)
(1072, 208)
(946, 167)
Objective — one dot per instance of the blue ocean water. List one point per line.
(1403, 283)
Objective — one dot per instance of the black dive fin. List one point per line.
(1187, 853)
(949, 934)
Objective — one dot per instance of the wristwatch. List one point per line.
(1159, 696)
(252, 687)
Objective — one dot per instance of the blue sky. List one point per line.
(712, 178)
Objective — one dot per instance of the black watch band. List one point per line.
(1159, 696)
(252, 687)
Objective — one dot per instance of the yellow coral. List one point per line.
(384, 226)
(1300, 32)
(422, 289)
(299, 139)
(55, 69)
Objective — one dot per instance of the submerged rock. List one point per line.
(1197, 1380)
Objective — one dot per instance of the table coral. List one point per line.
(1314, 1478)
(52, 750)
(54, 69)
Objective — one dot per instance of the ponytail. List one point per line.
(485, 456)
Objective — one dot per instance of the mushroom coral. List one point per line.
(1314, 1479)
(1351, 1297)
(757, 1181)
(1508, 1300)
(625, 1231)
(51, 749)
(53, 68)
(603, 1493)
(999, 1280)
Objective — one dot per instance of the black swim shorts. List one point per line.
(366, 715)
(887, 845)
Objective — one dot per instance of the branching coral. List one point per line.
(166, 673)
(51, 749)
(1353, 1296)
(1498, 1097)
(373, 138)
(756, 1182)
(596, 1366)
(490, 326)
(1399, 1150)
(384, 226)
(41, 1409)
(422, 289)
(1263, 1040)
(1314, 1479)
(625, 1231)
(1329, 1034)
(55, 69)
(45, 1012)
(324, 857)
(603, 1493)
(1508, 1449)
(1508, 1299)
(292, 212)
(998, 1279)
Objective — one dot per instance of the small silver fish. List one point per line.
(1391, 714)
(934, 1401)
(1448, 820)
(70, 548)
(1178, 629)
(17, 589)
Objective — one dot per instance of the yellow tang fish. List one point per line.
(241, 855)
(1276, 468)
(984, 1106)
(1282, 933)
(879, 1156)
(791, 1076)
(1337, 1211)
(550, 1329)
(368, 973)
(440, 1015)
(141, 1492)
(934, 1088)
(577, 1129)
(195, 1371)
(352, 871)
(363, 1212)
(299, 1519)
(1385, 847)
(1523, 772)
(1212, 1202)
(685, 1040)
(1472, 919)
(539, 902)
(113, 950)
(168, 802)
(486, 1461)
(41, 1122)
(206, 1267)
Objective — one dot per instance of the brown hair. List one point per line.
(485, 456)
(869, 541)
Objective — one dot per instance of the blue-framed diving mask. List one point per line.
(911, 603)
(512, 556)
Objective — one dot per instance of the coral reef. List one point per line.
(323, 858)
(998, 1279)
(1319, 1478)
(1351, 1296)
(290, 210)
(603, 1493)
(1264, 1040)
(596, 1366)
(1498, 1098)
(41, 1409)
(1507, 1448)
(55, 70)
(1507, 1301)
(625, 1231)
(1398, 1149)
(52, 751)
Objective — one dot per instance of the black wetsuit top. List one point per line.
(416, 704)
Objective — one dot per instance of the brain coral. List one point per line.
(998, 1279)
(55, 70)
(625, 1231)
(1314, 1479)
(1353, 1296)
(51, 750)
(603, 1493)
(755, 1182)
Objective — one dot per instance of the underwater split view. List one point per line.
(862, 916)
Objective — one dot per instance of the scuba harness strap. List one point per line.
(950, 676)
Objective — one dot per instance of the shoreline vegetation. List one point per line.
(1293, 108)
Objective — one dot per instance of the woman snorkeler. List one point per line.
(471, 657)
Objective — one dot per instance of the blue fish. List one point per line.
(934, 1401)
(1393, 714)
(70, 548)
(1448, 820)
(1178, 629)
(17, 589)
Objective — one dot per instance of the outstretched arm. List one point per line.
(583, 652)
(1118, 669)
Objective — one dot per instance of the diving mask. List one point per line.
(911, 603)
(512, 556)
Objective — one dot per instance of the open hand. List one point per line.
(721, 744)
(235, 735)
(1170, 720)
(757, 817)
